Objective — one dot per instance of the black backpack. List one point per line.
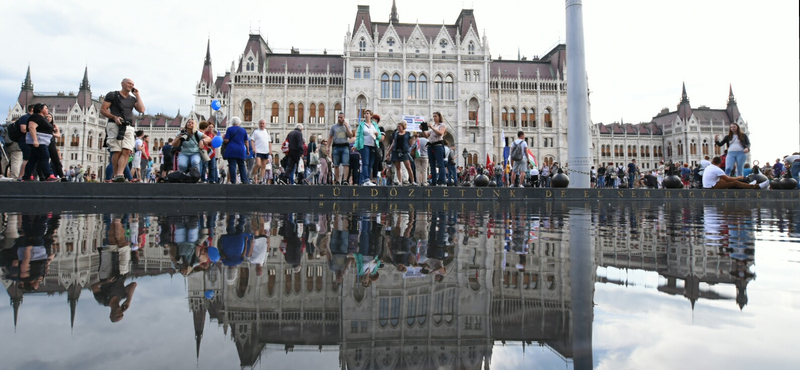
(14, 132)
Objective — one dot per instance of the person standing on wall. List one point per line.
(738, 147)
(118, 108)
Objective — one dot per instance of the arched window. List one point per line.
(473, 111)
(438, 89)
(290, 114)
(504, 118)
(548, 118)
(76, 140)
(248, 110)
(471, 48)
(669, 150)
(705, 147)
(337, 108)
(693, 148)
(680, 148)
(361, 104)
(322, 112)
(312, 113)
(90, 140)
(532, 118)
(423, 87)
(513, 117)
(362, 45)
(524, 117)
(412, 86)
(448, 88)
(396, 86)
(275, 112)
(301, 113)
(385, 86)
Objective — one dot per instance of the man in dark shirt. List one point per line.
(166, 158)
(632, 174)
(355, 165)
(24, 147)
(296, 145)
(601, 175)
(118, 108)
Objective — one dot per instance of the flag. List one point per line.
(506, 155)
(532, 158)
(488, 160)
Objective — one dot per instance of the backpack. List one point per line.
(285, 146)
(14, 132)
(516, 152)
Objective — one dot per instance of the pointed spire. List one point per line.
(393, 17)
(684, 97)
(733, 108)
(208, 52)
(85, 82)
(28, 83)
(207, 77)
(684, 108)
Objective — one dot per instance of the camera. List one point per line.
(183, 135)
(122, 127)
(423, 126)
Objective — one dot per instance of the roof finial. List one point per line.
(393, 16)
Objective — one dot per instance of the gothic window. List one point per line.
(390, 41)
(394, 318)
(513, 117)
(383, 312)
(248, 111)
(412, 86)
(301, 113)
(275, 111)
(423, 87)
(548, 120)
(361, 103)
(473, 110)
(693, 148)
(438, 89)
(504, 118)
(312, 113)
(449, 89)
(467, 75)
(524, 117)
(322, 112)
(357, 72)
(385, 86)
(362, 45)
(705, 147)
(669, 149)
(680, 147)
(443, 43)
(76, 140)
(337, 108)
(396, 86)
(90, 140)
(471, 48)
(532, 117)
(366, 72)
(477, 75)
(290, 114)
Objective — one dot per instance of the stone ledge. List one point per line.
(143, 192)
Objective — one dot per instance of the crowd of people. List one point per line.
(359, 155)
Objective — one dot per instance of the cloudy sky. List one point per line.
(638, 52)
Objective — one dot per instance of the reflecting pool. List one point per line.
(553, 286)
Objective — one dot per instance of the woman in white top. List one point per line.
(435, 137)
(367, 136)
(738, 147)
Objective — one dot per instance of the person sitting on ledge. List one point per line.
(714, 178)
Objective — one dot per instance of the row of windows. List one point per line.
(443, 88)
(357, 72)
(508, 117)
(362, 45)
(294, 113)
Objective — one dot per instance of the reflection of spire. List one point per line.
(741, 293)
(16, 302)
(199, 324)
(73, 293)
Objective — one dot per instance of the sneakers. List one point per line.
(395, 183)
(53, 178)
(6, 179)
(119, 179)
(764, 185)
(368, 183)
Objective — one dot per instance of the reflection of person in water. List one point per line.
(338, 259)
(186, 250)
(115, 258)
(236, 244)
(260, 244)
(291, 247)
(34, 253)
(437, 244)
(400, 245)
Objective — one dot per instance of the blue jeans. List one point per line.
(631, 181)
(451, 174)
(213, 175)
(185, 159)
(291, 166)
(601, 181)
(795, 170)
(340, 156)
(735, 158)
(233, 163)
(366, 164)
(436, 161)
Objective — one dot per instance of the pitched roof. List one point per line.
(207, 76)
(527, 68)
(404, 30)
(259, 47)
(296, 63)
(706, 115)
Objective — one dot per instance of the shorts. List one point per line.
(137, 160)
(262, 155)
(26, 150)
(400, 156)
(340, 155)
(115, 145)
(519, 167)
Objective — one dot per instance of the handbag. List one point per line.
(203, 152)
(225, 146)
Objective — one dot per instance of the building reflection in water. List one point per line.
(388, 290)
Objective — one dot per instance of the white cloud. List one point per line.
(638, 53)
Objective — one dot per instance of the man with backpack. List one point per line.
(518, 158)
(16, 133)
(118, 108)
